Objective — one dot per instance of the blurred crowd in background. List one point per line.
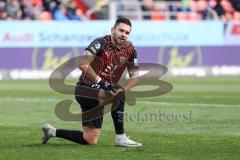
(101, 9)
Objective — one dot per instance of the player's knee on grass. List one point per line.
(91, 134)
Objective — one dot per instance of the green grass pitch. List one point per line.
(198, 120)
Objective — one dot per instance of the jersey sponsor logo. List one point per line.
(123, 59)
(107, 54)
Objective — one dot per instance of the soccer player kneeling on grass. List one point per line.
(103, 64)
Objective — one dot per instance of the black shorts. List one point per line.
(87, 96)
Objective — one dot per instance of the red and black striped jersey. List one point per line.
(110, 62)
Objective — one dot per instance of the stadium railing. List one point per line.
(155, 10)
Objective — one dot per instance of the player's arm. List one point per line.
(92, 51)
(133, 71)
(133, 81)
(86, 68)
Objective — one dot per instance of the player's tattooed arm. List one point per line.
(133, 80)
(133, 71)
(85, 66)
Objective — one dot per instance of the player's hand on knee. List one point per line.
(106, 86)
(118, 91)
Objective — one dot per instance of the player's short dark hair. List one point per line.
(123, 20)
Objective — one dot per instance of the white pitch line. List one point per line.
(28, 99)
(43, 99)
(204, 97)
(189, 104)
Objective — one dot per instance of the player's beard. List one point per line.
(119, 40)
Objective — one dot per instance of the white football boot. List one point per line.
(124, 141)
(49, 132)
